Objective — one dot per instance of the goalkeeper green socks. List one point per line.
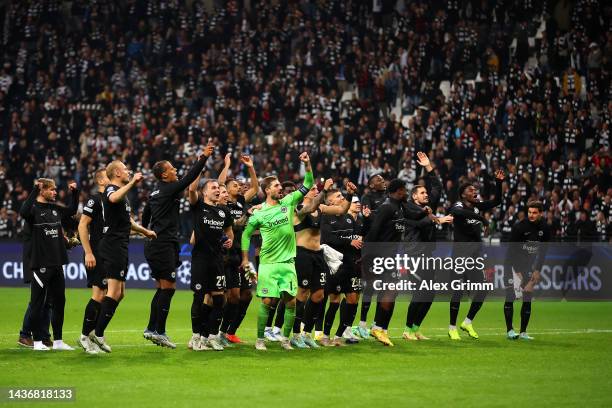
(262, 319)
(289, 319)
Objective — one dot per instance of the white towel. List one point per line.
(332, 257)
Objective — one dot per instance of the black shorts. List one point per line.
(311, 268)
(347, 279)
(163, 259)
(115, 266)
(97, 276)
(114, 260)
(234, 276)
(525, 271)
(207, 275)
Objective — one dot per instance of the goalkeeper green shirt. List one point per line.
(275, 224)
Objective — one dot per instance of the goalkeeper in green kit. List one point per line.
(276, 277)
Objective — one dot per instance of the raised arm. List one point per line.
(487, 205)
(227, 161)
(118, 195)
(74, 202)
(297, 196)
(316, 202)
(193, 190)
(254, 188)
(195, 170)
(346, 203)
(26, 208)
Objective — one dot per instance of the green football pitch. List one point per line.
(568, 364)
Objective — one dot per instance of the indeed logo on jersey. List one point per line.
(473, 221)
(213, 223)
(280, 221)
(53, 232)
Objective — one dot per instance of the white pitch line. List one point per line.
(480, 329)
(499, 334)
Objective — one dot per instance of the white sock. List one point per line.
(38, 344)
(363, 324)
(467, 321)
(452, 327)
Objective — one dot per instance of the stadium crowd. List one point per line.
(84, 82)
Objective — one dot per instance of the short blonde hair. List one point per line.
(112, 167)
(46, 183)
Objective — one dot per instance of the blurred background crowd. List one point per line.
(521, 85)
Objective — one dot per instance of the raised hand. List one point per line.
(208, 150)
(137, 177)
(246, 160)
(328, 183)
(304, 157)
(72, 186)
(227, 160)
(350, 187)
(423, 160)
(499, 175)
(366, 211)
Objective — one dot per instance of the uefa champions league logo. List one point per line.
(184, 272)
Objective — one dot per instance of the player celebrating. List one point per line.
(239, 288)
(212, 236)
(312, 270)
(91, 231)
(47, 255)
(468, 223)
(114, 245)
(273, 332)
(276, 275)
(387, 226)
(420, 228)
(344, 234)
(162, 254)
(526, 260)
(370, 202)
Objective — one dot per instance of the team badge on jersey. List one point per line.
(54, 213)
(221, 214)
(540, 233)
(283, 209)
(90, 203)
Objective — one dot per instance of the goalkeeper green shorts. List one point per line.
(275, 278)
